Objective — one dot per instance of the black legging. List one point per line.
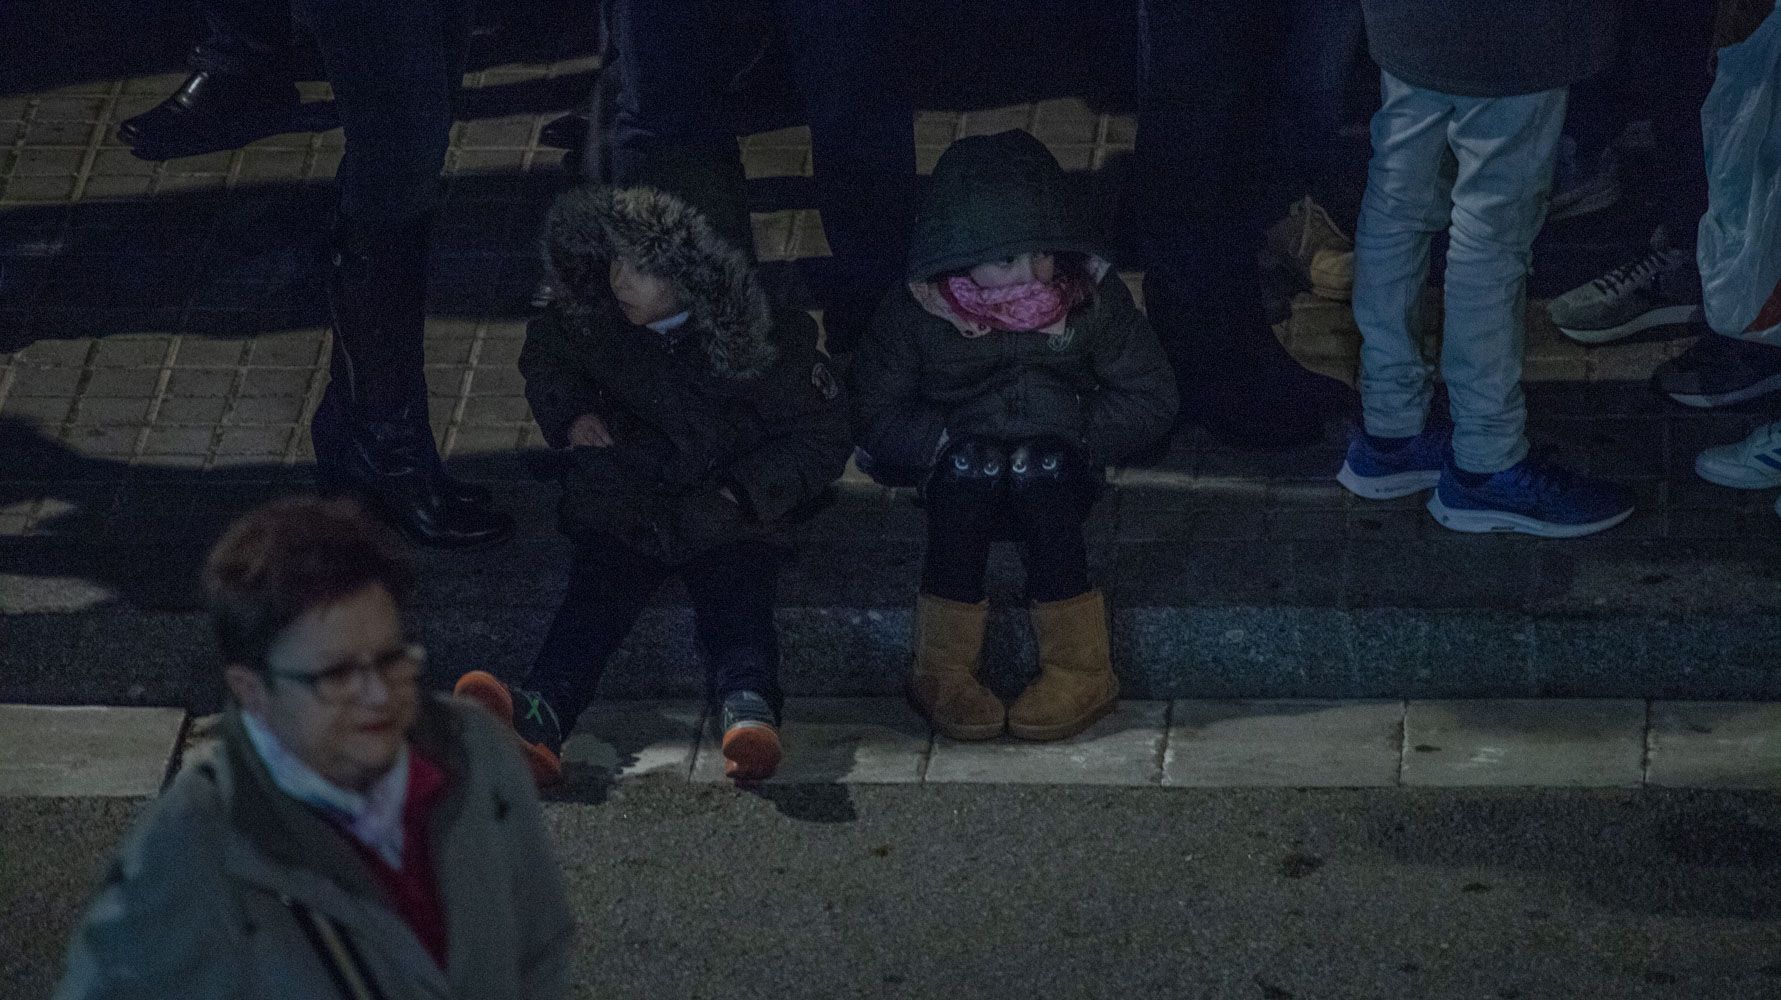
(1036, 493)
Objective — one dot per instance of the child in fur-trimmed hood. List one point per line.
(698, 418)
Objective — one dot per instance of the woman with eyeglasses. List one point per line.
(348, 835)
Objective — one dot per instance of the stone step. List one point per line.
(1231, 576)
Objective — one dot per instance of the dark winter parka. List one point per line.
(737, 398)
(1492, 48)
(1099, 379)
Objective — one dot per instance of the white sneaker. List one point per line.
(1751, 464)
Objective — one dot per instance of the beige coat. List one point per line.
(197, 904)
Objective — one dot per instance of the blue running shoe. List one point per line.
(1535, 497)
(1376, 474)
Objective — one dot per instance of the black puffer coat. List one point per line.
(1099, 380)
(739, 397)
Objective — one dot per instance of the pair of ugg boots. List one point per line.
(1074, 688)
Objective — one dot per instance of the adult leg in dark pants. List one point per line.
(862, 138)
(1050, 491)
(394, 69)
(1202, 137)
(1324, 40)
(966, 498)
(673, 75)
(242, 85)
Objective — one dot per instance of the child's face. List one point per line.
(1027, 267)
(643, 298)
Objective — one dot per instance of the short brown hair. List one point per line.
(288, 557)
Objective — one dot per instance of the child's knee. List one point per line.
(1050, 478)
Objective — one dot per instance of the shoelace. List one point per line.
(1543, 477)
(1766, 438)
(1637, 274)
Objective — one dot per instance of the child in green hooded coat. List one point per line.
(1007, 374)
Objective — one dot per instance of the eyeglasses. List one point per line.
(344, 682)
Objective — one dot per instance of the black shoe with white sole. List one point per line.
(1720, 371)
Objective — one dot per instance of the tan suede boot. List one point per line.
(1076, 685)
(948, 644)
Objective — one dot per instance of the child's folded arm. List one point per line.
(806, 443)
(892, 421)
(555, 387)
(1135, 401)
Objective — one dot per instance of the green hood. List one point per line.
(991, 197)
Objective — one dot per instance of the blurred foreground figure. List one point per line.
(348, 835)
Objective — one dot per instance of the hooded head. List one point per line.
(992, 197)
(685, 222)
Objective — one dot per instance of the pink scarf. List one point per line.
(1030, 305)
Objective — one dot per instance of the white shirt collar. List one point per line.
(673, 322)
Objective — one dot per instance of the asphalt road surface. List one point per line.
(1002, 891)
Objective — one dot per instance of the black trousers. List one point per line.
(733, 591)
(673, 74)
(395, 70)
(1036, 494)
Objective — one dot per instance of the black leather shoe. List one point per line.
(371, 434)
(460, 492)
(568, 131)
(385, 465)
(211, 112)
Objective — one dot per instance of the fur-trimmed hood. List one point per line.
(663, 234)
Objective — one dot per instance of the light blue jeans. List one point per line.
(1480, 168)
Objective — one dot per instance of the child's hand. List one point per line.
(589, 431)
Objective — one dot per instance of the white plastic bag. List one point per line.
(1740, 236)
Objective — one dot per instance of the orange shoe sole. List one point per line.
(751, 753)
(485, 689)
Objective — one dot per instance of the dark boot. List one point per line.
(211, 112)
(371, 433)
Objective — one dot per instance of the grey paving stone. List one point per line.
(123, 382)
(1545, 743)
(629, 739)
(1295, 744)
(1715, 744)
(837, 741)
(29, 593)
(85, 751)
(1125, 748)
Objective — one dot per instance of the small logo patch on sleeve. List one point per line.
(824, 381)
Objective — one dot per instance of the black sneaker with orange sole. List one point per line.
(533, 721)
